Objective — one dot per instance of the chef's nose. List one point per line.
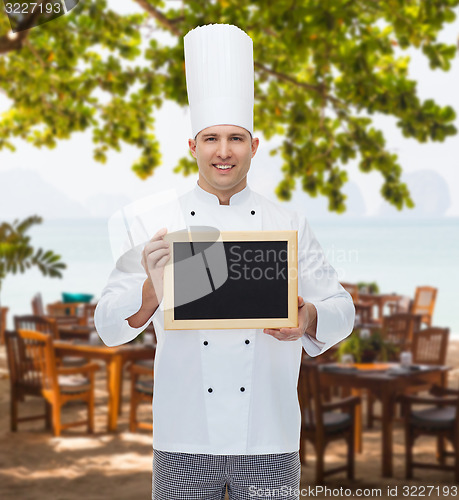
(224, 150)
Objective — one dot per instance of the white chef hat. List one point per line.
(219, 77)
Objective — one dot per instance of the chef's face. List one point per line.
(223, 154)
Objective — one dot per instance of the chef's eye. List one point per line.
(237, 138)
(209, 139)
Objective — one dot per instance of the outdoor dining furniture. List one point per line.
(363, 308)
(73, 313)
(401, 305)
(36, 366)
(321, 424)
(427, 347)
(424, 303)
(37, 305)
(61, 317)
(21, 385)
(3, 313)
(439, 419)
(115, 358)
(87, 314)
(141, 391)
(385, 382)
(399, 328)
(59, 309)
(379, 301)
(46, 325)
(37, 323)
(74, 331)
(430, 346)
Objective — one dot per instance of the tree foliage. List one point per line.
(18, 255)
(322, 68)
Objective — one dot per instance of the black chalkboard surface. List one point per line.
(231, 280)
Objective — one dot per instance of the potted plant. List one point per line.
(368, 348)
(365, 287)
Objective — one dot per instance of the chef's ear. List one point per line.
(255, 144)
(192, 146)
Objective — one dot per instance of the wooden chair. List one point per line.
(37, 305)
(141, 391)
(440, 419)
(78, 312)
(430, 346)
(363, 309)
(399, 329)
(61, 309)
(424, 303)
(87, 319)
(321, 424)
(38, 324)
(38, 310)
(3, 313)
(50, 326)
(23, 381)
(58, 385)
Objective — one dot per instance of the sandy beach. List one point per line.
(35, 465)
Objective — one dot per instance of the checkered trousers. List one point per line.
(184, 476)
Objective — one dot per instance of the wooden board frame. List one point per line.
(291, 237)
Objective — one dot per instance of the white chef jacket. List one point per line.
(229, 392)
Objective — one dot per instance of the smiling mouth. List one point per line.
(222, 166)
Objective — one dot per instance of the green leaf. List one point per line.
(18, 255)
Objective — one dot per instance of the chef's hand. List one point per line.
(307, 323)
(154, 257)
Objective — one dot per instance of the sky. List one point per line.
(71, 171)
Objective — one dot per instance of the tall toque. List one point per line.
(219, 77)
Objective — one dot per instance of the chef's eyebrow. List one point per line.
(236, 134)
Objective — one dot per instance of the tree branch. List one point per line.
(14, 41)
(320, 89)
(159, 16)
(35, 53)
(283, 76)
(177, 20)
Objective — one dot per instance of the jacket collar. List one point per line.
(211, 199)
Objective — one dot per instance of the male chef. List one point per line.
(225, 406)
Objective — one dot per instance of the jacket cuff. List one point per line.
(127, 303)
(331, 329)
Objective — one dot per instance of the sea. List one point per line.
(396, 254)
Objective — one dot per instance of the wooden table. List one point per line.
(75, 332)
(114, 357)
(385, 386)
(379, 300)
